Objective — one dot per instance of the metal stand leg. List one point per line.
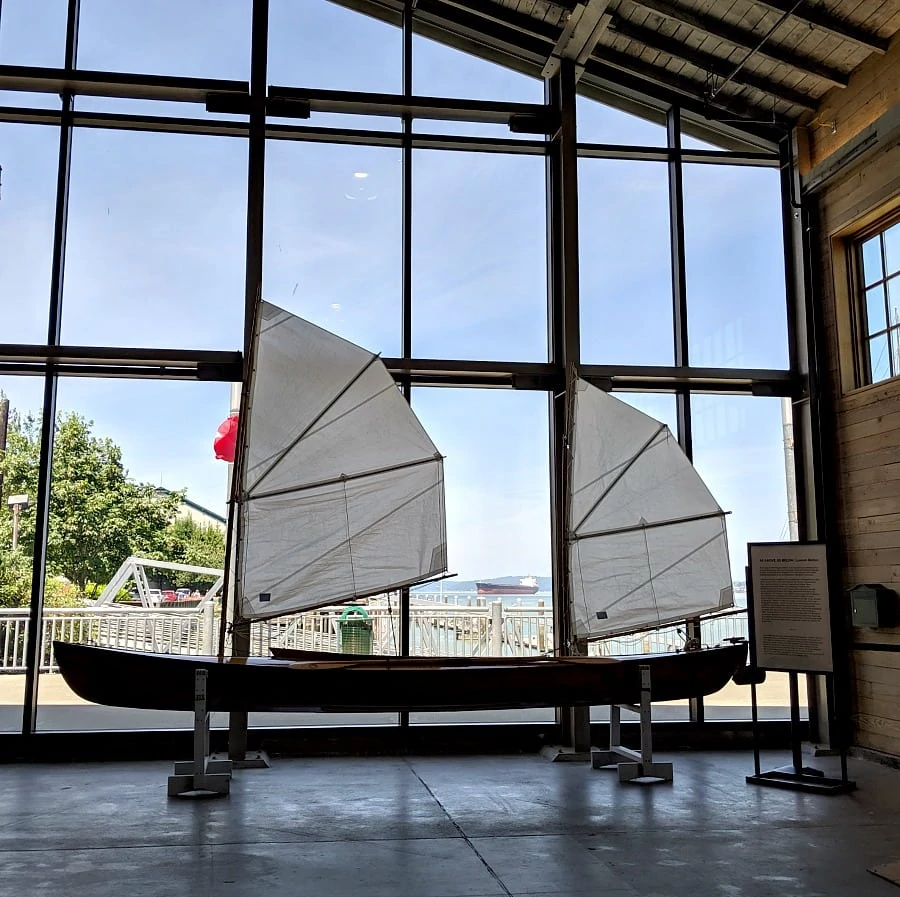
(631, 765)
(202, 776)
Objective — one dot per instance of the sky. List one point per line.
(155, 257)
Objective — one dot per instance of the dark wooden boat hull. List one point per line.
(166, 681)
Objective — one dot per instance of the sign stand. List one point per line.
(788, 615)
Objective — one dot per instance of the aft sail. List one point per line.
(342, 492)
(647, 542)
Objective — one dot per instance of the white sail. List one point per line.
(647, 540)
(343, 490)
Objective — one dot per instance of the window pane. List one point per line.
(625, 262)
(33, 33)
(442, 71)
(871, 257)
(893, 293)
(319, 44)
(333, 247)
(598, 123)
(27, 209)
(479, 256)
(25, 396)
(875, 309)
(157, 235)
(740, 451)
(895, 351)
(734, 252)
(879, 362)
(892, 248)
(168, 37)
(129, 445)
(658, 405)
(498, 525)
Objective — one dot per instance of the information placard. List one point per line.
(791, 622)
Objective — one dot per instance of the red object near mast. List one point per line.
(226, 439)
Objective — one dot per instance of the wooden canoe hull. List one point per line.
(166, 681)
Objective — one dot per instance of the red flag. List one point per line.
(226, 439)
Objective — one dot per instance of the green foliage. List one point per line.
(98, 516)
(15, 577)
(189, 542)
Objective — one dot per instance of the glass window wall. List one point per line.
(155, 257)
(27, 213)
(156, 237)
(333, 249)
(479, 256)
(624, 262)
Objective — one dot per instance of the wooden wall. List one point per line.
(867, 433)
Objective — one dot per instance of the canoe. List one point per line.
(145, 680)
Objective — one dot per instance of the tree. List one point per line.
(98, 516)
(189, 542)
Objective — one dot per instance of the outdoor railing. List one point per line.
(463, 629)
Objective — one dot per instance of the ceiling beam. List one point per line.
(580, 34)
(684, 90)
(711, 64)
(745, 38)
(817, 16)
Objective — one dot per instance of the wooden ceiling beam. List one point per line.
(819, 18)
(687, 87)
(745, 38)
(581, 32)
(712, 64)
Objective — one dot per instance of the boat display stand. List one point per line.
(633, 766)
(204, 776)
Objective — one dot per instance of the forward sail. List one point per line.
(647, 543)
(343, 490)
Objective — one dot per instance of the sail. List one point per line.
(343, 490)
(647, 542)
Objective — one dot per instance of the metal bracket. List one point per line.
(203, 776)
(633, 766)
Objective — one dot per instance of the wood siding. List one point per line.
(866, 437)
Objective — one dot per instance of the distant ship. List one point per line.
(528, 585)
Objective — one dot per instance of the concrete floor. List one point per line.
(445, 827)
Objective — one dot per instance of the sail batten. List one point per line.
(647, 542)
(336, 479)
(354, 487)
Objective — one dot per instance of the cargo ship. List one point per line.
(527, 585)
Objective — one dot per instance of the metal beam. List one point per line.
(820, 18)
(746, 38)
(655, 40)
(583, 26)
(119, 84)
(34, 643)
(382, 104)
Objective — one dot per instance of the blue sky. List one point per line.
(156, 252)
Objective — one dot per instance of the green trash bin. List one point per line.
(356, 631)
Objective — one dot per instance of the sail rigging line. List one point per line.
(344, 477)
(665, 570)
(624, 469)
(281, 455)
(650, 577)
(672, 521)
(394, 510)
(349, 535)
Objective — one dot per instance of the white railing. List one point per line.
(487, 629)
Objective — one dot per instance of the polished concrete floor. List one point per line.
(445, 827)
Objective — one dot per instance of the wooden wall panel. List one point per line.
(845, 111)
(866, 446)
